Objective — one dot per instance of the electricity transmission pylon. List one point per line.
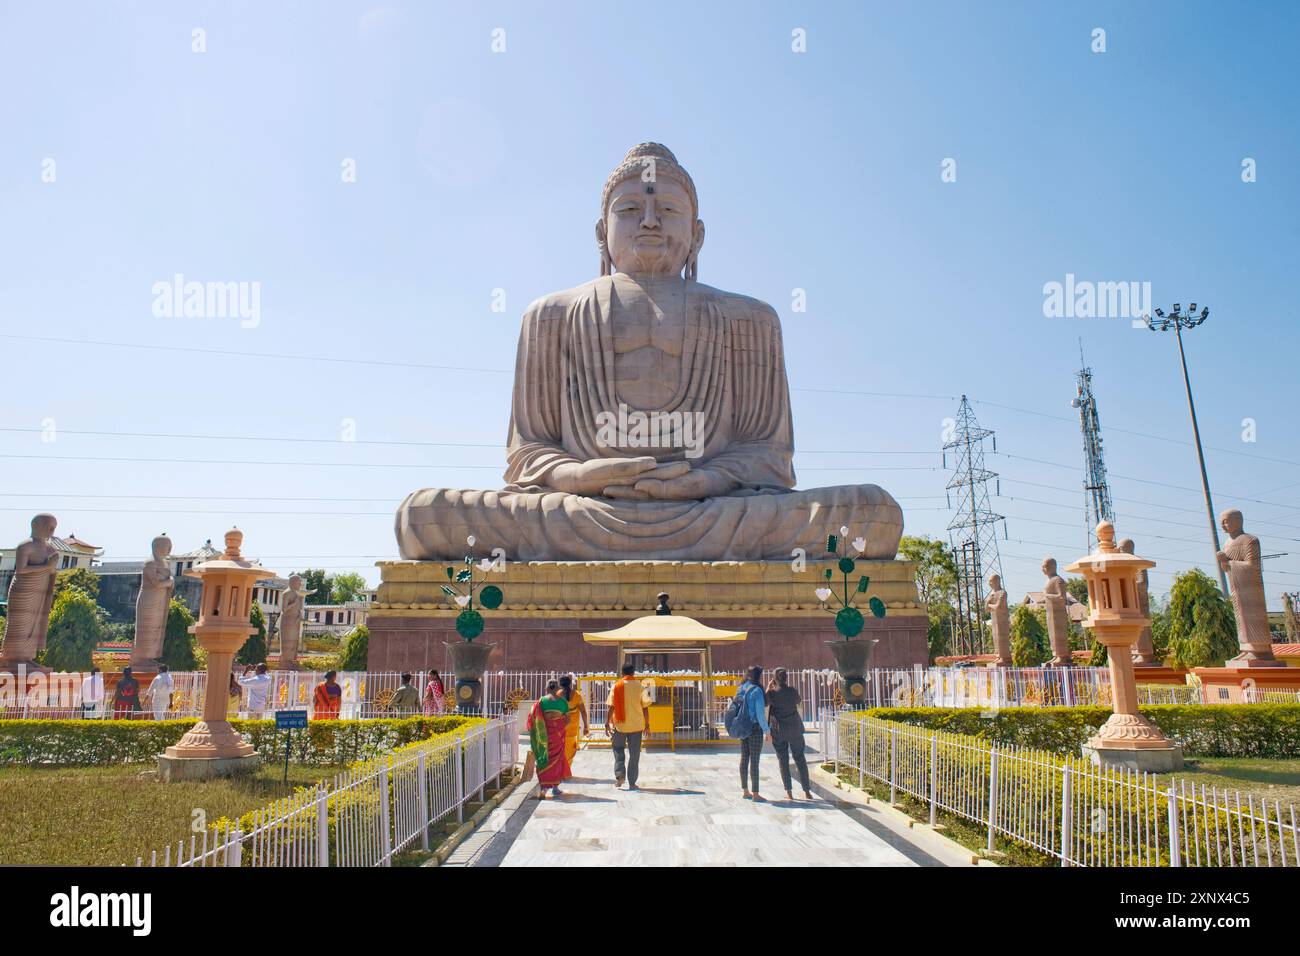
(1097, 506)
(972, 532)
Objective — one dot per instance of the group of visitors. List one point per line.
(560, 716)
(128, 699)
(408, 702)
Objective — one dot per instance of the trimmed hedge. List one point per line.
(105, 742)
(1204, 730)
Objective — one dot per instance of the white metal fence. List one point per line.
(366, 694)
(1064, 807)
(364, 816)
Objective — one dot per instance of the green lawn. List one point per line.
(108, 816)
(1270, 779)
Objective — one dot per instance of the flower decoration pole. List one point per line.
(851, 656)
(469, 660)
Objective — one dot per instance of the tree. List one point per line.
(936, 585)
(178, 642)
(80, 578)
(1078, 589)
(315, 579)
(254, 649)
(1202, 629)
(75, 629)
(1028, 637)
(347, 587)
(356, 649)
(936, 572)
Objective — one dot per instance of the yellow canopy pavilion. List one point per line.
(686, 711)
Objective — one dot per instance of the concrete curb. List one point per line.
(463, 832)
(921, 835)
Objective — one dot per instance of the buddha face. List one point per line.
(995, 582)
(1230, 521)
(1049, 567)
(648, 227)
(43, 527)
(161, 547)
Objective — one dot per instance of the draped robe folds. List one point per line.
(1245, 575)
(27, 622)
(732, 384)
(151, 606)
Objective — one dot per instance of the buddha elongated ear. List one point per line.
(693, 257)
(606, 263)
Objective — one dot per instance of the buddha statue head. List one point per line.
(995, 583)
(43, 526)
(1049, 567)
(1230, 521)
(649, 221)
(161, 547)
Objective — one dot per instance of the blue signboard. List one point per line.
(290, 719)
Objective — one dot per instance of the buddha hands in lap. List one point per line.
(651, 413)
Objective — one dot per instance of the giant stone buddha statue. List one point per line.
(651, 414)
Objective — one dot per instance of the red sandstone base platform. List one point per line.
(556, 644)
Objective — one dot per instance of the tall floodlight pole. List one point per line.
(1177, 321)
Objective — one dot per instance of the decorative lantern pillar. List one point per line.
(212, 748)
(1127, 739)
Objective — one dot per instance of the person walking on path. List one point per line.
(547, 723)
(786, 719)
(160, 693)
(625, 723)
(328, 697)
(578, 720)
(747, 720)
(126, 696)
(405, 701)
(434, 695)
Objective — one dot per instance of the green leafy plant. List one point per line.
(848, 619)
(356, 650)
(75, 628)
(1202, 630)
(178, 643)
(1028, 637)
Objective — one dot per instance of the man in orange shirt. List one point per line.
(625, 722)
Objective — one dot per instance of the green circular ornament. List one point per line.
(491, 597)
(848, 621)
(469, 624)
(847, 565)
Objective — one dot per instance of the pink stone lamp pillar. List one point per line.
(1127, 739)
(212, 747)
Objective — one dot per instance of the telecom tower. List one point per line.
(1097, 505)
(972, 532)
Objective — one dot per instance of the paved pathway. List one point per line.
(689, 812)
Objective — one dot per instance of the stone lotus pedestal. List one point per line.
(468, 662)
(851, 661)
(1126, 739)
(212, 748)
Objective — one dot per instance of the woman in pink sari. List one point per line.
(434, 696)
(547, 724)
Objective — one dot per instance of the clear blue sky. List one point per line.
(479, 170)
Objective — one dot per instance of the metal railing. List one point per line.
(366, 815)
(1064, 807)
(366, 694)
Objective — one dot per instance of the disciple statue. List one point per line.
(1058, 620)
(651, 414)
(999, 621)
(152, 604)
(1240, 558)
(291, 622)
(1144, 652)
(31, 595)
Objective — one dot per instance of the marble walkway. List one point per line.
(688, 812)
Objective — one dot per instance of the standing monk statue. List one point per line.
(999, 621)
(1240, 558)
(1058, 620)
(31, 595)
(151, 606)
(1144, 652)
(291, 622)
(651, 414)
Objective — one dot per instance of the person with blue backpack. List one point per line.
(746, 721)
